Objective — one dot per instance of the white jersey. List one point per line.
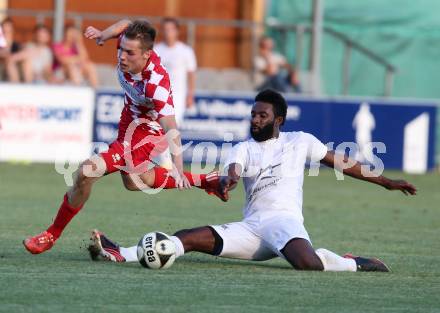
(2, 39)
(178, 60)
(273, 172)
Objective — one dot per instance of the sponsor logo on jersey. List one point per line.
(116, 157)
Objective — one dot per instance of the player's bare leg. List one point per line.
(88, 173)
(159, 177)
(138, 182)
(301, 255)
(202, 239)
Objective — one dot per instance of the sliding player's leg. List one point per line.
(287, 237)
(233, 240)
(332, 262)
(73, 201)
(300, 254)
(201, 239)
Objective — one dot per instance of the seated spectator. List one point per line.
(272, 69)
(72, 59)
(36, 59)
(2, 39)
(12, 47)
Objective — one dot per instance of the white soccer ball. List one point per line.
(156, 251)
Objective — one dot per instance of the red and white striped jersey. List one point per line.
(2, 39)
(147, 94)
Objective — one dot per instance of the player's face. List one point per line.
(8, 30)
(131, 57)
(263, 122)
(42, 36)
(267, 44)
(72, 35)
(170, 32)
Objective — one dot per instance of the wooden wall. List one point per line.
(215, 46)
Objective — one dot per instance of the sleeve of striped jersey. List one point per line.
(162, 98)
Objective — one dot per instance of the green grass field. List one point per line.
(343, 216)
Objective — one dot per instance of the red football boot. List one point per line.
(39, 243)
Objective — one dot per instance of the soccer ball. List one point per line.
(156, 251)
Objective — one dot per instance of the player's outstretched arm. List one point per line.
(110, 32)
(353, 168)
(230, 179)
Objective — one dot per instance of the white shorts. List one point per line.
(259, 241)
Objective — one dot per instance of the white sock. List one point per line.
(130, 254)
(334, 262)
(179, 246)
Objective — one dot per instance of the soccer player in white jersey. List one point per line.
(272, 165)
(180, 61)
(147, 127)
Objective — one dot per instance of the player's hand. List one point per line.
(401, 185)
(185, 182)
(227, 183)
(94, 33)
(181, 181)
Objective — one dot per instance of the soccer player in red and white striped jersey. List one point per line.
(147, 128)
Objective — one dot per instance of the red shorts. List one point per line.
(136, 156)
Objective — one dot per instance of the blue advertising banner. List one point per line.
(400, 133)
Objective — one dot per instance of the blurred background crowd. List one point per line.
(367, 48)
(234, 53)
(41, 60)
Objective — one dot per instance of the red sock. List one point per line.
(64, 216)
(162, 179)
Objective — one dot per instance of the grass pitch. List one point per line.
(343, 216)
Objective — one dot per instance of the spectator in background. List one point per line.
(36, 59)
(273, 70)
(2, 39)
(180, 61)
(11, 48)
(72, 59)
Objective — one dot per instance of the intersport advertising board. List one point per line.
(45, 123)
